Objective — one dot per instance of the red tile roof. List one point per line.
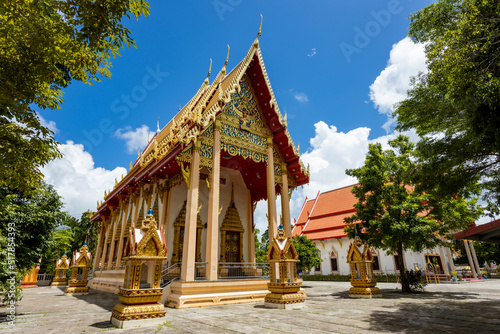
(334, 201)
(323, 217)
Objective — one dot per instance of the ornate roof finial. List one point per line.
(209, 71)
(158, 125)
(256, 42)
(225, 63)
(179, 110)
(138, 152)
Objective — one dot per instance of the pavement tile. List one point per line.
(443, 308)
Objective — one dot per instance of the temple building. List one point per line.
(322, 220)
(202, 175)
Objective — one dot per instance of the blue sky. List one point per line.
(335, 66)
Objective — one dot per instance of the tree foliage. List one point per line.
(26, 226)
(262, 246)
(61, 241)
(69, 238)
(44, 46)
(309, 254)
(394, 212)
(455, 106)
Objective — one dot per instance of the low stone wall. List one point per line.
(107, 280)
(208, 293)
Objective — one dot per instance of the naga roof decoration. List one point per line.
(159, 158)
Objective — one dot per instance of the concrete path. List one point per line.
(444, 308)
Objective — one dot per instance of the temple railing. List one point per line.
(243, 270)
(227, 271)
(170, 273)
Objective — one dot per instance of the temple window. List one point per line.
(333, 263)
(376, 263)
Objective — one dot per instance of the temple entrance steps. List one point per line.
(170, 273)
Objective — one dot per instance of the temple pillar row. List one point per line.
(126, 207)
(116, 221)
(105, 246)
(212, 239)
(189, 247)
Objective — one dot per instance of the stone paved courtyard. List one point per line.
(444, 308)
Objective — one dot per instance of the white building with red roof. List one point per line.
(322, 220)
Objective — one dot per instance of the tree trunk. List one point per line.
(405, 284)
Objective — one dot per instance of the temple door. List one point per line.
(233, 247)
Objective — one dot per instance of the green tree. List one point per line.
(44, 46)
(61, 241)
(455, 106)
(83, 231)
(395, 212)
(26, 226)
(309, 255)
(262, 246)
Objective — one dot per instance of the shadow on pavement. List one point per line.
(105, 300)
(437, 312)
(103, 324)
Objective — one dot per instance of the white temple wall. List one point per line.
(387, 263)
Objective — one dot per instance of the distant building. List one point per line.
(322, 220)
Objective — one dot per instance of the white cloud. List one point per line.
(301, 97)
(135, 139)
(312, 53)
(331, 153)
(77, 180)
(51, 125)
(406, 59)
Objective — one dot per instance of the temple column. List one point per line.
(138, 202)
(443, 262)
(448, 255)
(189, 248)
(450, 259)
(469, 257)
(251, 232)
(105, 250)
(98, 251)
(212, 254)
(126, 210)
(474, 258)
(165, 212)
(112, 245)
(271, 191)
(285, 202)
